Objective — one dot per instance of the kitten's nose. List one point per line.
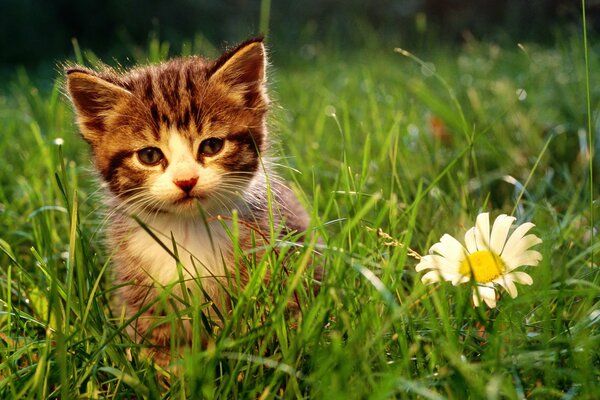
(187, 184)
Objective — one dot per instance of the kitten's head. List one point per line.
(168, 136)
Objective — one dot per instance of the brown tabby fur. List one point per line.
(192, 99)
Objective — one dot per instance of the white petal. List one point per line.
(459, 278)
(518, 233)
(500, 230)
(491, 302)
(431, 277)
(482, 231)
(521, 277)
(488, 294)
(447, 276)
(507, 283)
(425, 263)
(475, 298)
(470, 240)
(521, 246)
(530, 257)
(452, 277)
(450, 248)
(444, 264)
(439, 266)
(431, 261)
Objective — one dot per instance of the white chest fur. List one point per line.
(202, 248)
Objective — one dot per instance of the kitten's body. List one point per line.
(169, 140)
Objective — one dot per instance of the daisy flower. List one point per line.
(489, 258)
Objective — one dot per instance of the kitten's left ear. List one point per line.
(244, 65)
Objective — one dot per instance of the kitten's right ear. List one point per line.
(93, 98)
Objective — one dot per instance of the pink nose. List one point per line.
(187, 184)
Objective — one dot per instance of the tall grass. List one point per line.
(387, 159)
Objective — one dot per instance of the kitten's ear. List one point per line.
(91, 94)
(244, 65)
(93, 98)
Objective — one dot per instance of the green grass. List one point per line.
(355, 131)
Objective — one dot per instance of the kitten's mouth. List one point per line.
(188, 200)
(189, 205)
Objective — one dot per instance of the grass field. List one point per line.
(370, 140)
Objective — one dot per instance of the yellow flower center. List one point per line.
(484, 266)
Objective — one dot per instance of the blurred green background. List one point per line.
(370, 139)
(40, 32)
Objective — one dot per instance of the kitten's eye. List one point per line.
(150, 156)
(210, 147)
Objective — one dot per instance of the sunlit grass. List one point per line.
(375, 145)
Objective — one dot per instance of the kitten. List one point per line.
(171, 140)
